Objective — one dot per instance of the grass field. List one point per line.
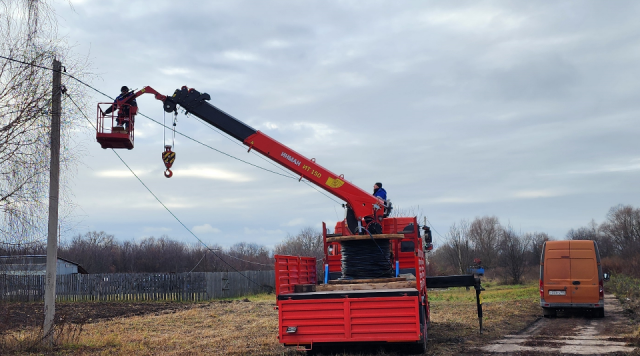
(627, 289)
(248, 326)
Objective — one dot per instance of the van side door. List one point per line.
(584, 272)
(557, 272)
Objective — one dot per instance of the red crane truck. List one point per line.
(390, 310)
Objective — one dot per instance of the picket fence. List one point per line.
(139, 286)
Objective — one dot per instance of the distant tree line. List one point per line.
(509, 255)
(499, 248)
(618, 239)
(504, 252)
(99, 252)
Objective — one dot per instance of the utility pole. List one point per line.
(54, 188)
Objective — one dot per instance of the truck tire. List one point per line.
(420, 347)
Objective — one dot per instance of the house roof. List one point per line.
(36, 259)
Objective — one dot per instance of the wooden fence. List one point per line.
(139, 286)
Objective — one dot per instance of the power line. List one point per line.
(64, 72)
(215, 149)
(91, 123)
(270, 162)
(186, 136)
(434, 229)
(164, 206)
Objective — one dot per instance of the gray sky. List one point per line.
(523, 110)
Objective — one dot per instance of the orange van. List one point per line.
(571, 277)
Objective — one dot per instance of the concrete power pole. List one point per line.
(54, 187)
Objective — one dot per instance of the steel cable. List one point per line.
(366, 259)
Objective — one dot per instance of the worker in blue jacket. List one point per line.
(125, 97)
(379, 192)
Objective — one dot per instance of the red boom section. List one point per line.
(362, 202)
(150, 90)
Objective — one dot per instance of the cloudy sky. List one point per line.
(523, 110)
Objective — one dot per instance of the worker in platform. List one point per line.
(125, 97)
(379, 192)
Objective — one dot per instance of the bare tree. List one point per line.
(94, 251)
(28, 32)
(513, 252)
(250, 256)
(623, 228)
(308, 242)
(484, 232)
(592, 231)
(459, 247)
(537, 241)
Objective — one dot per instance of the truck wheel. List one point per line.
(549, 312)
(314, 351)
(420, 347)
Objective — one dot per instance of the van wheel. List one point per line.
(549, 312)
(598, 313)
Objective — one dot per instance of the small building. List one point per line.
(36, 265)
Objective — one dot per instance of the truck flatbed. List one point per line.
(369, 293)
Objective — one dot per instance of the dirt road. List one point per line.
(572, 333)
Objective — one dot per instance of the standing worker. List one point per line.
(126, 99)
(379, 192)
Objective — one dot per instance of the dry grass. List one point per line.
(234, 327)
(249, 327)
(454, 323)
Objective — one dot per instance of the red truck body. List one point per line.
(383, 312)
(370, 315)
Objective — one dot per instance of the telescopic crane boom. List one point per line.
(364, 211)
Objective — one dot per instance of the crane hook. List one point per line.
(168, 157)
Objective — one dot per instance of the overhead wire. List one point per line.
(434, 229)
(197, 264)
(213, 148)
(288, 175)
(186, 136)
(175, 131)
(166, 208)
(268, 161)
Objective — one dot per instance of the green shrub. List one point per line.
(627, 289)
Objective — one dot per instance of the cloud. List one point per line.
(156, 230)
(205, 229)
(295, 222)
(212, 173)
(632, 165)
(240, 56)
(262, 231)
(174, 71)
(276, 43)
(532, 194)
(473, 18)
(121, 173)
(464, 108)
